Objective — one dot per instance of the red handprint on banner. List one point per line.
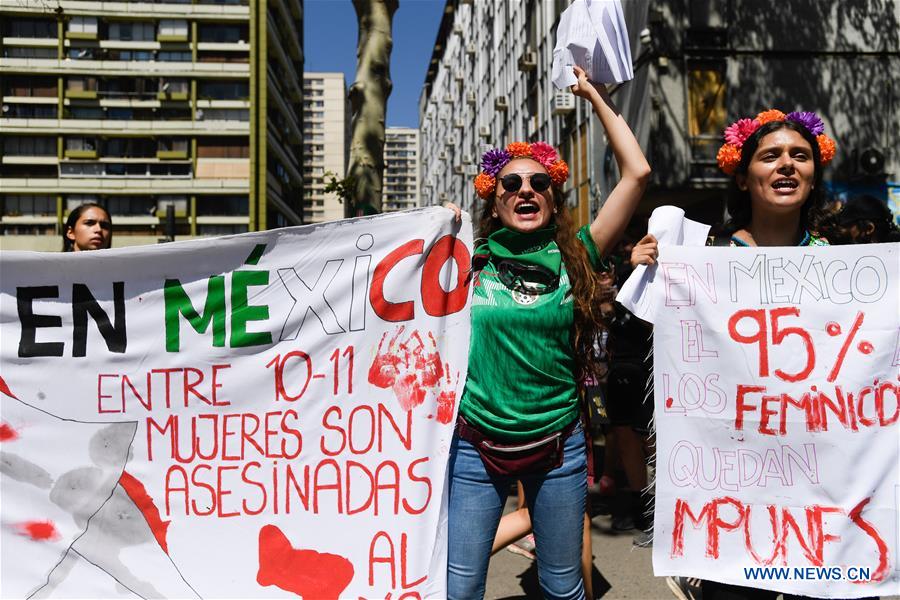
(412, 368)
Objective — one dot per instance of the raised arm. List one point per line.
(610, 222)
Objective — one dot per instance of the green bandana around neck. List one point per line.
(534, 248)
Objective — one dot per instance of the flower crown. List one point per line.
(493, 161)
(729, 155)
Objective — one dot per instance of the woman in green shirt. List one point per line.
(534, 322)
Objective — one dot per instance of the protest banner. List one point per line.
(776, 412)
(261, 415)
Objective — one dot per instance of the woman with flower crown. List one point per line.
(534, 321)
(775, 199)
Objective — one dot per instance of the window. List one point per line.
(223, 147)
(80, 143)
(118, 113)
(29, 111)
(224, 90)
(167, 56)
(135, 55)
(221, 33)
(30, 28)
(83, 25)
(223, 205)
(174, 86)
(42, 87)
(80, 84)
(77, 169)
(131, 205)
(15, 205)
(226, 114)
(173, 27)
(16, 52)
(706, 107)
(207, 56)
(130, 148)
(172, 145)
(135, 31)
(84, 53)
(27, 145)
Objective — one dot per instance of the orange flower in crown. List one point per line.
(729, 155)
(493, 161)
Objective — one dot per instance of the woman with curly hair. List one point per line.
(534, 322)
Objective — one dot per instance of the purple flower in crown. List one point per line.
(494, 160)
(810, 120)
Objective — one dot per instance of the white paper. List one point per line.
(592, 35)
(670, 228)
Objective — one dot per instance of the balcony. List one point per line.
(173, 96)
(81, 154)
(172, 154)
(89, 36)
(81, 94)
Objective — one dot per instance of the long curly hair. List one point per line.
(582, 277)
(740, 209)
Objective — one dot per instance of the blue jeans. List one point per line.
(556, 502)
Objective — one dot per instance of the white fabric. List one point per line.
(592, 34)
(95, 501)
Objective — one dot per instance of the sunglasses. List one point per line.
(534, 280)
(540, 182)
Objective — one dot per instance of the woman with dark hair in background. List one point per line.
(88, 227)
(864, 219)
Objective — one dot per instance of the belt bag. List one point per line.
(533, 457)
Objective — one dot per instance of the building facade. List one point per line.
(326, 143)
(145, 105)
(401, 169)
(699, 65)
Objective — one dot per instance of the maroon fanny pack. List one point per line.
(532, 457)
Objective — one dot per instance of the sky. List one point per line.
(330, 45)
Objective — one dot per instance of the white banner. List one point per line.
(262, 415)
(776, 407)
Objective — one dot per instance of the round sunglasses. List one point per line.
(540, 182)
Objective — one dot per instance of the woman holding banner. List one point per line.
(534, 321)
(776, 199)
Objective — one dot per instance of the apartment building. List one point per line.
(194, 104)
(326, 143)
(401, 169)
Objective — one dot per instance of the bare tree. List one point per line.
(368, 101)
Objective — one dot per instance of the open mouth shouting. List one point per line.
(785, 185)
(527, 207)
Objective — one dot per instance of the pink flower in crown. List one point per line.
(738, 132)
(544, 153)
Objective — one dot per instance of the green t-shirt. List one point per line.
(521, 383)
